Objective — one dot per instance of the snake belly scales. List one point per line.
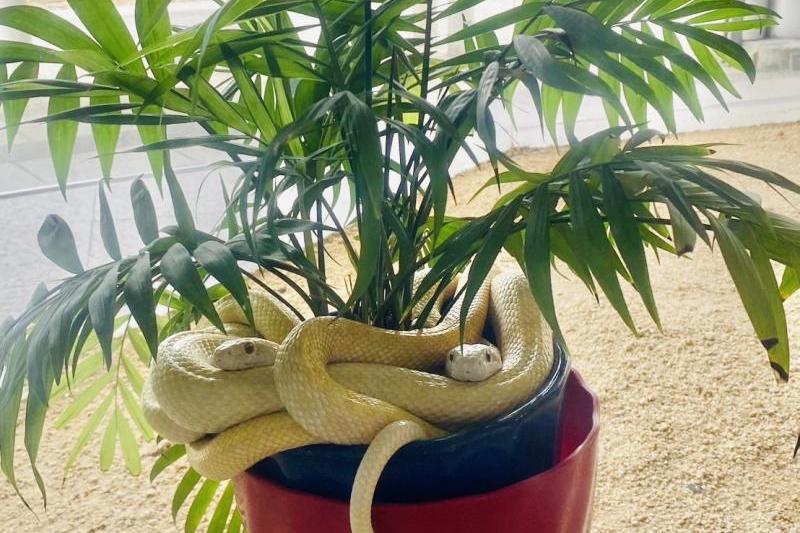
(338, 381)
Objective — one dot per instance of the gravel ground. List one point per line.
(697, 435)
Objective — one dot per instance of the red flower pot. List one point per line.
(557, 500)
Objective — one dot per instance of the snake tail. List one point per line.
(385, 444)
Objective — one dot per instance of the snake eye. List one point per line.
(488, 357)
(249, 348)
(452, 357)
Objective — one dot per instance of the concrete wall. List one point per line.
(790, 25)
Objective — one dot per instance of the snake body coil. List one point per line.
(339, 381)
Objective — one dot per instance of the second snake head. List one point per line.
(473, 362)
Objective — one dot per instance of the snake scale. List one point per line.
(333, 380)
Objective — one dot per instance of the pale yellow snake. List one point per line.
(339, 381)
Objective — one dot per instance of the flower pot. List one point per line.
(556, 499)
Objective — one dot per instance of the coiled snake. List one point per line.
(338, 381)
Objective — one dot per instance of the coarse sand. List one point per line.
(697, 435)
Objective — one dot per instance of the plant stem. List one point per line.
(258, 281)
(368, 52)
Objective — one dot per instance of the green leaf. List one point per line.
(151, 136)
(511, 16)
(13, 110)
(227, 13)
(710, 64)
(220, 262)
(364, 150)
(106, 136)
(135, 378)
(108, 231)
(599, 148)
(737, 26)
(644, 136)
(665, 86)
(779, 355)
(150, 16)
(102, 310)
(563, 243)
(685, 67)
(144, 212)
(81, 401)
(90, 364)
(183, 215)
(182, 491)
(9, 409)
(586, 31)
(135, 412)
(722, 44)
(167, 458)
(61, 134)
(138, 292)
(683, 234)
(141, 120)
(484, 122)
(458, 6)
(139, 345)
(11, 52)
(487, 255)
(109, 110)
(677, 199)
(129, 446)
(637, 102)
(250, 95)
(219, 107)
(571, 106)
(716, 9)
(35, 411)
(38, 364)
(537, 257)
(216, 142)
(551, 102)
(108, 444)
(106, 25)
(88, 430)
(230, 214)
(236, 525)
(626, 234)
(47, 26)
(223, 510)
(179, 270)
(790, 283)
(753, 171)
(748, 283)
(612, 114)
(593, 246)
(200, 505)
(58, 244)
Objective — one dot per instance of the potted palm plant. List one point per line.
(340, 121)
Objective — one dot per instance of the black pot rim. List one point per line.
(514, 446)
(553, 385)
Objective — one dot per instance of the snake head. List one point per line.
(244, 353)
(473, 362)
